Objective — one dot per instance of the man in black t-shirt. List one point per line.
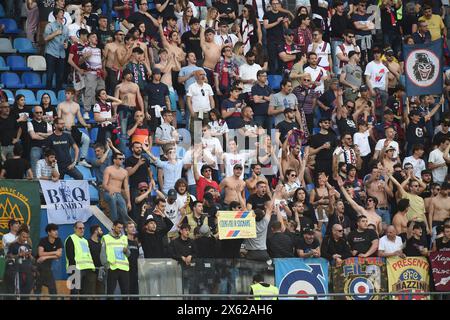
(308, 246)
(8, 130)
(228, 10)
(258, 200)
(49, 249)
(91, 18)
(191, 39)
(158, 95)
(104, 34)
(363, 241)
(143, 16)
(280, 244)
(166, 8)
(415, 132)
(286, 125)
(416, 246)
(323, 145)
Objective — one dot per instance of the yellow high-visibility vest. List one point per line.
(83, 258)
(260, 290)
(114, 252)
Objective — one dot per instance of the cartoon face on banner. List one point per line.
(302, 281)
(422, 67)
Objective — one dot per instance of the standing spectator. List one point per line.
(61, 142)
(288, 52)
(339, 24)
(79, 261)
(172, 169)
(422, 35)
(437, 162)
(343, 50)
(11, 236)
(390, 245)
(304, 35)
(203, 180)
(334, 247)
(60, 4)
(351, 76)
(389, 24)
(261, 94)
(322, 145)
(376, 75)
(274, 21)
(90, 18)
(133, 247)
(225, 73)
(152, 238)
(416, 160)
(248, 72)
(56, 36)
(199, 99)
(114, 256)
(318, 74)
(322, 50)
(94, 76)
(363, 24)
(32, 23)
(103, 115)
(415, 131)
(282, 101)
(95, 248)
(47, 168)
(49, 249)
(39, 131)
(115, 179)
(182, 248)
(435, 24)
(166, 135)
(416, 246)
(279, 243)
(16, 167)
(363, 241)
(9, 130)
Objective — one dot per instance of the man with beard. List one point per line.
(343, 50)
(322, 145)
(256, 176)
(334, 247)
(282, 101)
(289, 123)
(440, 207)
(339, 218)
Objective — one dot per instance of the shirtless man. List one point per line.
(400, 221)
(234, 187)
(395, 70)
(435, 188)
(68, 110)
(291, 159)
(167, 64)
(212, 52)
(115, 179)
(123, 53)
(173, 44)
(440, 207)
(110, 59)
(257, 176)
(379, 189)
(128, 92)
(369, 211)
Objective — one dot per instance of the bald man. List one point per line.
(390, 245)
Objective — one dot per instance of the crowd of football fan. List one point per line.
(300, 116)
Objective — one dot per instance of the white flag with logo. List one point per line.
(68, 201)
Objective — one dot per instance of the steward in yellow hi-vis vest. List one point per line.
(263, 291)
(114, 257)
(79, 263)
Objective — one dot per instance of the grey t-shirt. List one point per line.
(281, 101)
(353, 74)
(259, 243)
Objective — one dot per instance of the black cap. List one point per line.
(172, 194)
(388, 51)
(308, 230)
(426, 171)
(208, 197)
(206, 166)
(388, 111)
(288, 110)
(364, 88)
(325, 118)
(149, 218)
(238, 165)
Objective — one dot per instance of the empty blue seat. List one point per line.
(93, 193)
(309, 187)
(11, 80)
(17, 63)
(30, 99)
(274, 81)
(86, 172)
(61, 96)
(51, 93)
(3, 66)
(10, 26)
(24, 45)
(93, 134)
(32, 80)
(2, 11)
(316, 130)
(9, 95)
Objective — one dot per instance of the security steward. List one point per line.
(259, 289)
(79, 259)
(114, 257)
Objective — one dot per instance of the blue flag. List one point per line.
(302, 276)
(423, 68)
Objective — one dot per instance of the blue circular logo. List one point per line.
(302, 282)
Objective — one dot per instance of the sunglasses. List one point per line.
(293, 175)
(143, 190)
(350, 37)
(307, 80)
(38, 112)
(340, 230)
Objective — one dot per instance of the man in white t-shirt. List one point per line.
(390, 245)
(322, 49)
(318, 74)
(344, 49)
(377, 80)
(388, 142)
(11, 236)
(436, 162)
(199, 98)
(230, 159)
(225, 38)
(416, 160)
(247, 72)
(212, 144)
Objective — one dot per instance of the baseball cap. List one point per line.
(288, 32)
(308, 230)
(324, 119)
(172, 194)
(388, 51)
(206, 166)
(390, 148)
(288, 110)
(150, 217)
(238, 165)
(334, 79)
(143, 185)
(426, 171)
(388, 111)
(364, 88)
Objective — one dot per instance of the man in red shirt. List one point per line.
(203, 180)
(78, 66)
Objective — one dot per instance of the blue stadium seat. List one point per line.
(10, 26)
(86, 172)
(32, 80)
(3, 66)
(156, 151)
(309, 187)
(67, 177)
(61, 96)
(93, 192)
(30, 99)
(12, 80)
(274, 81)
(2, 11)
(128, 153)
(17, 63)
(51, 93)
(23, 45)
(91, 156)
(9, 95)
(93, 134)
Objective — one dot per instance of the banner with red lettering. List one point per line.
(440, 267)
(409, 276)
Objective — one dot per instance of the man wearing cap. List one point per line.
(283, 100)
(173, 210)
(203, 180)
(234, 187)
(351, 76)
(139, 69)
(395, 70)
(158, 98)
(288, 51)
(308, 246)
(206, 246)
(151, 237)
(223, 38)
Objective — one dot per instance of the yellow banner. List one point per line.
(236, 224)
(409, 276)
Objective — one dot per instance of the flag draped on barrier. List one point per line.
(68, 201)
(423, 68)
(302, 276)
(409, 275)
(440, 267)
(19, 200)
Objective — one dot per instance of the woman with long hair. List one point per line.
(261, 57)
(182, 5)
(48, 109)
(212, 19)
(238, 54)
(250, 28)
(103, 115)
(21, 112)
(219, 127)
(302, 10)
(183, 21)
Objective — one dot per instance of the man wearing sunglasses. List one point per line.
(343, 50)
(39, 131)
(335, 247)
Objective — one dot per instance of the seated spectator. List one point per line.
(363, 241)
(16, 167)
(335, 247)
(390, 245)
(308, 246)
(47, 168)
(280, 244)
